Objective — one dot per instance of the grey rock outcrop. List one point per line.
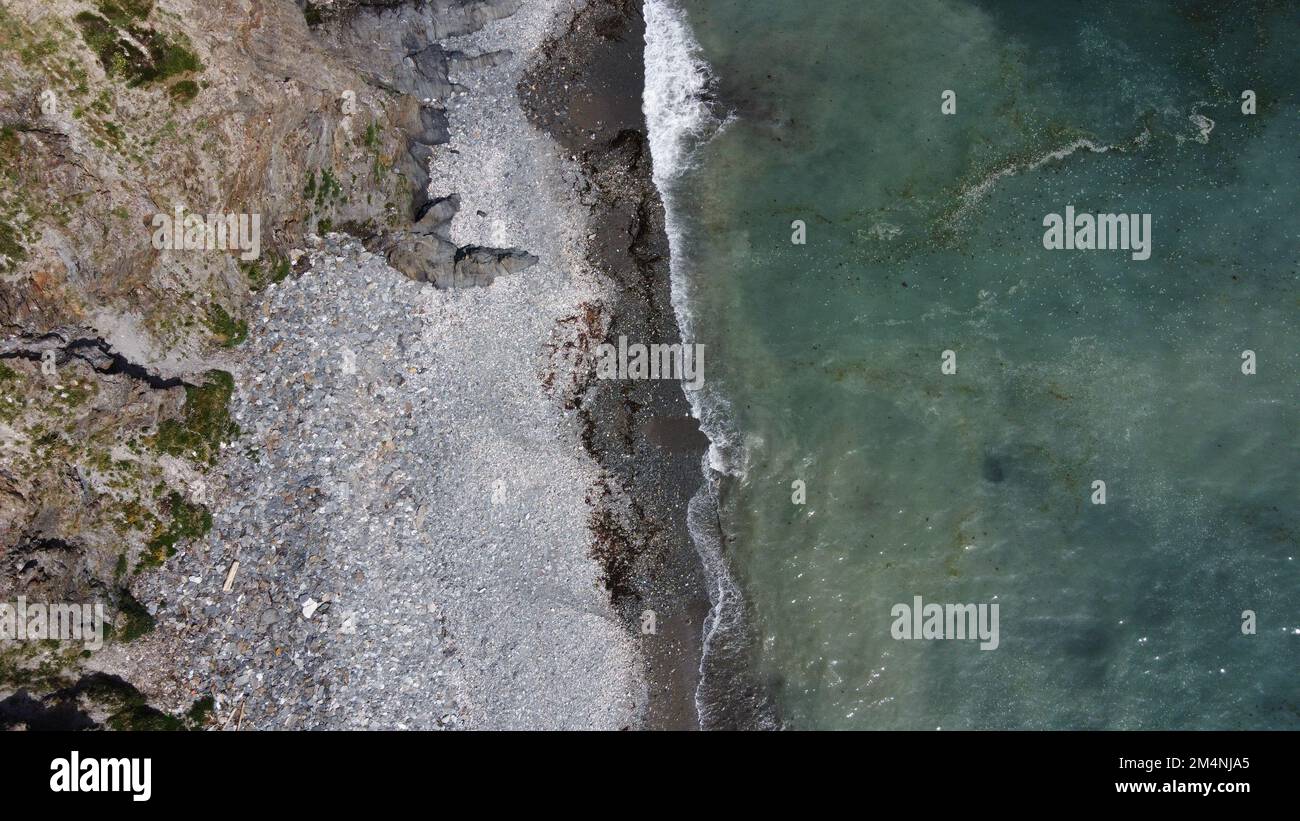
(425, 253)
(480, 266)
(395, 46)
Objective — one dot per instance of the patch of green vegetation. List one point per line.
(172, 58)
(184, 91)
(131, 712)
(277, 270)
(125, 12)
(135, 620)
(327, 191)
(102, 38)
(37, 665)
(47, 441)
(117, 38)
(101, 461)
(312, 14)
(228, 331)
(139, 716)
(46, 674)
(126, 706)
(134, 517)
(380, 168)
(113, 132)
(10, 146)
(200, 713)
(188, 522)
(35, 52)
(372, 136)
(205, 421)
(7, 373)
(329, 188)
(73, 395)
(12, 250)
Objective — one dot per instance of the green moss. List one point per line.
(132, 713)
(188, 522)
(72, 396)
(228, 331)
(184, 91)
(135, 621)
(205, 421)
(200, 712)
(12, 250)
(134, 517)
(170, 58)
(143, 718)
(277, 270)
(35, 665)
(10, 146)
(37, 51)
(125, 12)
(380, 169)
(121, 55)
(114, 132)
(116, 55)
(326, 192)
(329, 188)
(46, 439)
(126, 708)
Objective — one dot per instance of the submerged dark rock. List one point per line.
(991, 469)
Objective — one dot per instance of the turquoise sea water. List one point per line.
(924, 234)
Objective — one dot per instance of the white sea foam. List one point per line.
(676, 88)
(1204, 125)
(975, 193)
(679, 120)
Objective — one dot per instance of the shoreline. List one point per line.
(587, 94)
(683, 99)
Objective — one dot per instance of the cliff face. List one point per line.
(121, 120)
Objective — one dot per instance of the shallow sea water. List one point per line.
(925, 234)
